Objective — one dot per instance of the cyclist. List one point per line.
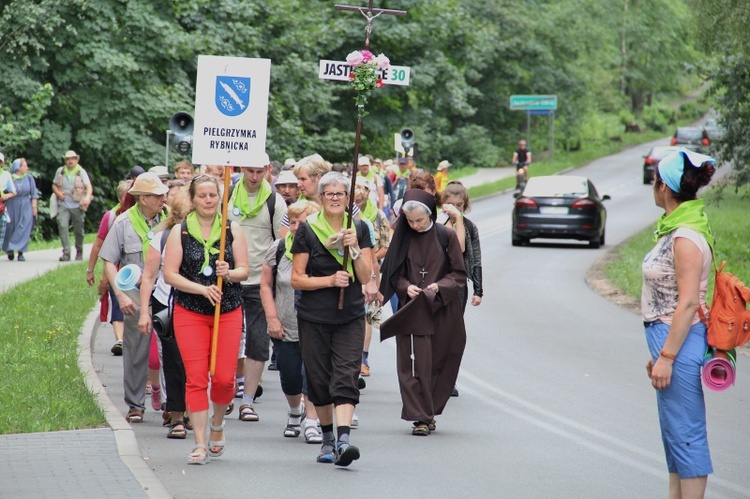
(522, 160)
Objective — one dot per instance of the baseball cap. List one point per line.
(134, 172)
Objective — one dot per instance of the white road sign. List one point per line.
(339, 71)
(231, 110)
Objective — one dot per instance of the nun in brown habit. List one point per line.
(425, 269)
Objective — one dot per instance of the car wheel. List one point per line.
(597, 242)
(519, 241)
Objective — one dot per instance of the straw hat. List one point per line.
(148, 183)
(443, 165)
(70, 154)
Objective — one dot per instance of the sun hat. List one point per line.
(148, 183)
(161, 171)
(286, 177)
(289, 163)
(443, 165)
(260, 160)
(672, 166)
(70, 154)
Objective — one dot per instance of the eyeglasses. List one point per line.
(334, 195)
(203, 176)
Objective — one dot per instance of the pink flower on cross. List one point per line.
(355, 58)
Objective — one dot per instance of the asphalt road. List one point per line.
(554, 400)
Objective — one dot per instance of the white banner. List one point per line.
(231, 111)
(339, 71)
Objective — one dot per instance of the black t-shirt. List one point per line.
(522, 155)
(321, 305)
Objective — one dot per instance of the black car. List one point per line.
(652, 159)
(559, 207)
(695, 138)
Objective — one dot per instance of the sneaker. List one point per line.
(364, 370)
(361, 383)
(10, 256)
(312, 433)
(21, 258)
(117, 349)
(156, 398)
(355, 421)
(273, 367)
(345, 455)
(327, 453)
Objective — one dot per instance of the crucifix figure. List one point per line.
(370, 13)
(423, 273)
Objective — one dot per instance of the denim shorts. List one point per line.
(682, 409)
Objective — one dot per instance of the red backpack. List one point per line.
(729, 319)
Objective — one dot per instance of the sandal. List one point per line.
(217, 444)
(432, 425)
(420, 429)
(294, 422)
(134, 416)
(247, 413)
(229, 409)
(166, 418)
(177, 430)
(196, 457)
(313, 434)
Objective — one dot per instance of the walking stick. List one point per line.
(219, 279)
(355, 167)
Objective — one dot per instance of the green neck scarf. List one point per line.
(688, 214)
(115, 208)
(288, 241)
(138, 221)
(371, 211)
(241, 199)
(322, 229)
(71, 174)
(19, 177)
(194, 229)
(370, 175)
(403, 174)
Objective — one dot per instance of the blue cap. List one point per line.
(673, 165)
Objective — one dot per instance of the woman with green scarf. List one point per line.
(332, 338)
(192, 264)
(675, 279)
(22, 210)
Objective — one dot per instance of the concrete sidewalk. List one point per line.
(102, 462)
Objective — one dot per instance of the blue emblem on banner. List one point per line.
(232, 94)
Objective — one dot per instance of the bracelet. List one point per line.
(89, 271)
(227, 278)
(667, 355)
(373, 276)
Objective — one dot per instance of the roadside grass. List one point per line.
(55, 243)
(727, 212)
(41, 387)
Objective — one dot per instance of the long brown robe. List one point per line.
(438, 344)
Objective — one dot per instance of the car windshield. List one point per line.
(689, 133)
(662, 152)
(557, 186)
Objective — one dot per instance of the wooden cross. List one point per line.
(370, 13)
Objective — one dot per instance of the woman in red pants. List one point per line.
(191, 266)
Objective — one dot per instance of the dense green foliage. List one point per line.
(104, 77)
(723, 26)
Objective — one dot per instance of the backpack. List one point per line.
(729, 319)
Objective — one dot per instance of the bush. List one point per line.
(691, 111)
(658, 117)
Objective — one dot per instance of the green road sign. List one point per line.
(533, 102)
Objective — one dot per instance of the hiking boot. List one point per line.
(65, 257)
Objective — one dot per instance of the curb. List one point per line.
(127, 444)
